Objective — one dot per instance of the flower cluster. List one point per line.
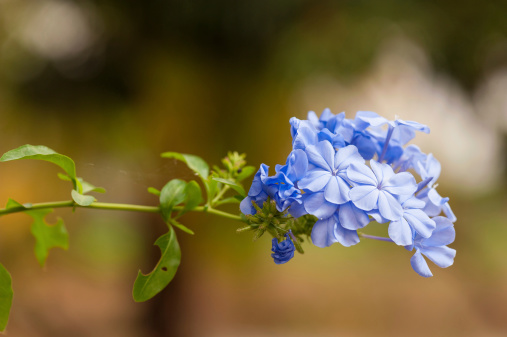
(349, 172)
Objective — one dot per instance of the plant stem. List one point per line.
(111, 206)
(373, 237)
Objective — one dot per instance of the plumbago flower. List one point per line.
(344, 173)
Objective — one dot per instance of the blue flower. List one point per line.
(378, 187)
(325, 232)
(434, 248)
(329, 171)
(413, 221)
(282, 251)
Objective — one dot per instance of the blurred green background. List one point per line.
(112, 84)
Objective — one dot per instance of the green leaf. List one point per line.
(181, 226)
(193, 197)
(172, 194)
(211, 188)
(195, 163)
(46, 236)
(5, 296)
(43, 153)
(83, 200)
(246, 172)
(235, 186)
(147, 286)
(87, 187)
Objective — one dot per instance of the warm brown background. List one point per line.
(113, 84)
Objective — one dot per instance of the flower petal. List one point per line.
(344, 157)
(246, 206)
(388, 206)
(315, 204)
(361, 174)
(315, 180)
(443, 234)
(345, 236)
(441, 256)
(323, 232)
(337, 191)
(419, 264)
(364, 197)
(401, 184)
(400, 232)
(321, 155)
(421, 223)
(352, 217)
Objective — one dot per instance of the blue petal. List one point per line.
(365, 197)
(401, 184)
(321, 155)
(443, 234)
(419, 264)
(388, 206)
(326, 115)
(297, 209)
(352, 217)
(421, 223)
(346, 156)
(366, 146)
(315, 204)
(345, 236)
(305, 136)
(448, 212)
(337, 191)
(376, 215)
(441, 256)
(323, 232)
(313, 119)
(400, 232)
(365, 119)
(361, 174)
(246, 206)
(297, 165)
(414, 125)
(315, 180)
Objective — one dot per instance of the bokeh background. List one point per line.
(113, 84)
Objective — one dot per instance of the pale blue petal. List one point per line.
(388, 206)
(401, 184)
(421, 223)
(326, 115)
(323, 232)
(305, 136)
(413, 202)
(400, 232)
(337, 191)
(313, 119)
(376, 215)
(364, 197)
(443, 234)
(365, 119)
(361, 174)
(419, 264)
(315, 204)
(315, 180)
(345, 236)
(441, 256)
(352, 217)
(246, 206)
(377, 170)
(414, 125)
(448, 212)
(297, 165)
(344, 157)
(321, 155)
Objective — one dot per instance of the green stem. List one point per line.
(113, 206)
